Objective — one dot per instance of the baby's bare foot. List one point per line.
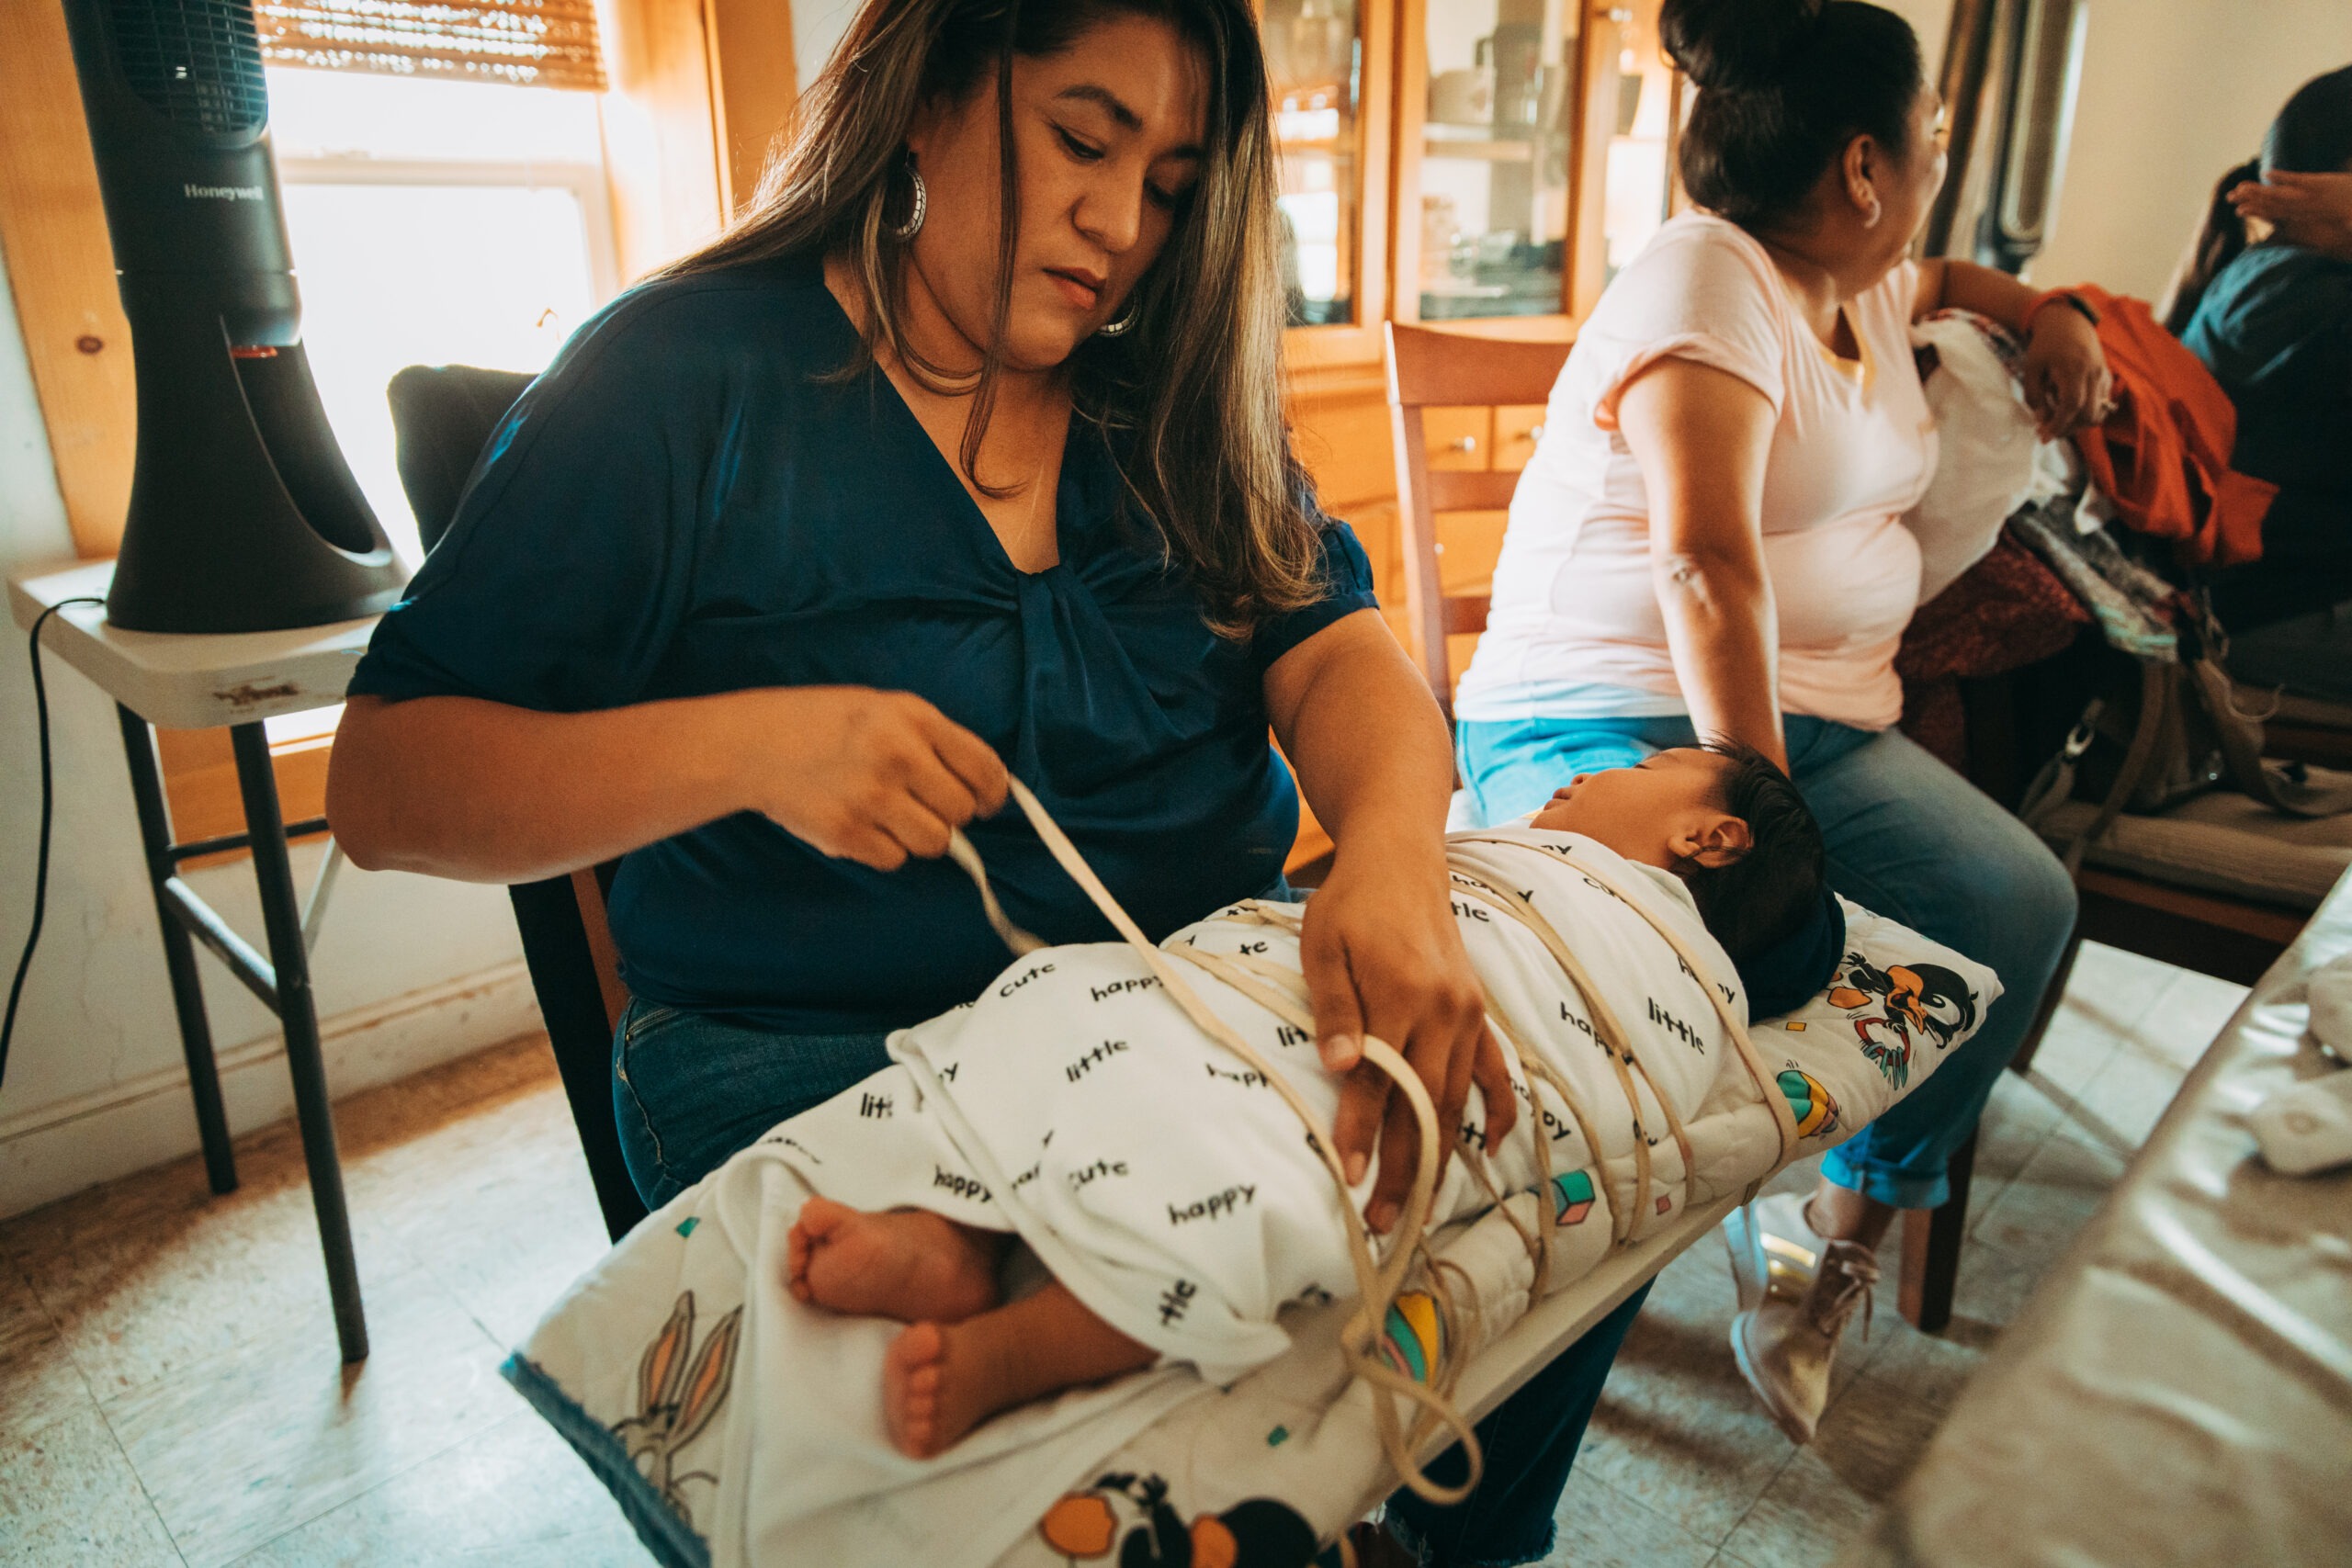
(938, 1382)
(908, 1263)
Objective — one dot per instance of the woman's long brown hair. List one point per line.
(1192, 393)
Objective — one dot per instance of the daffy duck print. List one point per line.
(1257, 1532)
(1901, 1002)
(679, 1389)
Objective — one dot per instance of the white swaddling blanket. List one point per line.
(1160, 1179)
(1075, 1103)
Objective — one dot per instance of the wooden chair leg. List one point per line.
(2052, 997)
(1932, 1238)
(1931, 1241)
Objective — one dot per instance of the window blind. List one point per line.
(539, 44)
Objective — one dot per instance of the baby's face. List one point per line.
(1659, 813)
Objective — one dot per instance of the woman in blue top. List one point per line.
(961, 452)
(2273, 322)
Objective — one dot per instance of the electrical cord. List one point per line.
(48, 806)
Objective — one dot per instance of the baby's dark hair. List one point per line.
(1763, 898)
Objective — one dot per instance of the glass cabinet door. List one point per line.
(1535, 153)
(1493, 109)
(1315, 57)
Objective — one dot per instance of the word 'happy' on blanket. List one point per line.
(1216, 1206)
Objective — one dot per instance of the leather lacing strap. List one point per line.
(1282, 992)
(1377, 1285)
(1765, 1085)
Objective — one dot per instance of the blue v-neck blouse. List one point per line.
(685, 503)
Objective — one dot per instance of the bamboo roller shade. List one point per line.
(539, 43)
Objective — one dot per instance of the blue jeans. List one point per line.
(1909, 838)
(1531, 1442)
(689, 1091)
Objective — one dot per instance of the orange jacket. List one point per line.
(2162, 456)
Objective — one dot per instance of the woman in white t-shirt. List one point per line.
(1708, 542)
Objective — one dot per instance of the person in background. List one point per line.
(1707, 543)
(2272, 319)
(962, 451)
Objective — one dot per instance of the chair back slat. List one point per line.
(1471, 490)
(1465, 613)
(1436, 369)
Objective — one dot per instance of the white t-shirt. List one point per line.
(1574, 630)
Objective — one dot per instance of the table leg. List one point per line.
(179, 954)
(298, 1012)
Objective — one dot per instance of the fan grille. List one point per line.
(196, 62)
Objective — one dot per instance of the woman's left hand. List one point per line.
(2066, 380)
(1384, 957)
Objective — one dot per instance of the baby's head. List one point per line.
(1723, 819)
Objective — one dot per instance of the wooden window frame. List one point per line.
(1308, 350)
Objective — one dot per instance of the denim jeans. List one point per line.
(1909, 838)
(690, 1090)
(1530, 1442)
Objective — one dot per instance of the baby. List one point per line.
(1724, 821)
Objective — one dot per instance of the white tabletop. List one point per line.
(183, 681)
(2178, 1391)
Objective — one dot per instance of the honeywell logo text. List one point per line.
(220, 193)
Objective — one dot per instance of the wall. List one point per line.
(409, 971)
(816, 25)
(2172, 94)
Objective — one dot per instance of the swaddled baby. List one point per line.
(1183, 1207)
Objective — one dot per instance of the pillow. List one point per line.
(1896, 1007)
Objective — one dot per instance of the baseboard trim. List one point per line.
(53, 1150)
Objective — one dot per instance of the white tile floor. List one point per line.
(170, 1391)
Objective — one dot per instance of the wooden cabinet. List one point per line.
(1487, 164)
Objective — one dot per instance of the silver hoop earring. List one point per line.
(913, 225)
(1112, 329)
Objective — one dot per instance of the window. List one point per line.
(433, 222)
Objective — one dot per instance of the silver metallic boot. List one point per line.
(1773, 1251)
(1785, 1348)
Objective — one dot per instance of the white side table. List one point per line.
(174, 681)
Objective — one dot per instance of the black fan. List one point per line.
(244, 515)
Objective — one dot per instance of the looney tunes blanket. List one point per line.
(1154, 1174)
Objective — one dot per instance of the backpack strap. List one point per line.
(2281, 787)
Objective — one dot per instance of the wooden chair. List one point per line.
(1433, 369)
(442, 417)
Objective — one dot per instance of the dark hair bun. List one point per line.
(1735, 45)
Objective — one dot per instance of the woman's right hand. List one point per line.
(2309, 210)
(863, 774)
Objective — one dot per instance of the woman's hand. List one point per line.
(2066, 380)
(2311, 211)
(863, 774)
(1384, 957)
(1382, 953)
